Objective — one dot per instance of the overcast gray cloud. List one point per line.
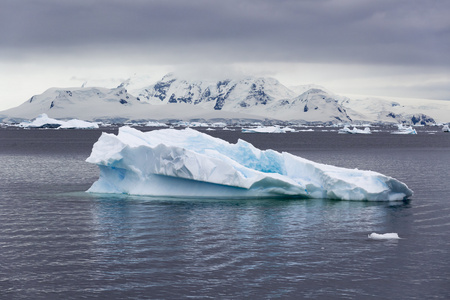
(353, 31)
(411, 34)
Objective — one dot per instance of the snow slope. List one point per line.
(424, 111)
(111, 105)
(88, 103)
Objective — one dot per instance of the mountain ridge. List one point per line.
(252, 98)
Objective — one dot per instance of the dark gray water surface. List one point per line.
(58, 242)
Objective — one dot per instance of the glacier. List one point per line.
(188, 163)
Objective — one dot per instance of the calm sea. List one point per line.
(58, 242)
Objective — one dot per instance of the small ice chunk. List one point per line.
(384, 236)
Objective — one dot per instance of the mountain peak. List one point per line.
(169, 76)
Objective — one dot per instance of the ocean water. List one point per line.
(58, 242)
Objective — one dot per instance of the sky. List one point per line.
(384, 48)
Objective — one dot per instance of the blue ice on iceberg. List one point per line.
(188, 163)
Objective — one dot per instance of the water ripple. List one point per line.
(57, 242)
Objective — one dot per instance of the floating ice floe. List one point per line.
(445, 128)
(347, 130)
(188, 163)
(404, 130)
(383, 236)
(43, 121)
(268, 129)
(289, 129)
(219, 124)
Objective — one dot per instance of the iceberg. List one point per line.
(383, 236)
(43, 121)
(189, 163)
(268, 129)
(404, 130)
(347, 130)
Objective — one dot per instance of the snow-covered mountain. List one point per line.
(399, 110)
(311, 106)
(224, 94)
(80, 103)
(249, 98)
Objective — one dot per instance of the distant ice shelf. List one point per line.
(188, 163)
(43, 121)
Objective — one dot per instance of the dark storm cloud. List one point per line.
(330, 31)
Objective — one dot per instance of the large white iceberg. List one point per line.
(188, 163)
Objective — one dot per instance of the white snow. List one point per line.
(188, 163)
(376, 109)
(383, 236)
(44, 121)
